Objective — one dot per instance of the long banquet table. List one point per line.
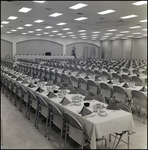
(95, 126)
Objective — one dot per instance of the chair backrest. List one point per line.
(137, 80)
(82, 84)
(52, 75)
(74, 81)
(135, 71)
(139, 99)
(120, 94)
(97, 73)
(55, 110)
(106, 90)
(126, 78)
(65, 79)
(73, 121)
(92, 87)
(116, 76)
(124, 107)
(41, 100)
(104, 73)
(32, 96)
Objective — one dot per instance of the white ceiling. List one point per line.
(95, 22)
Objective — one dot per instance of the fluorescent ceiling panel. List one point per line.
(8, 32)
(20, 27)
(119, 35)
(96, 32)
(129, 16)
(124, 31)
(38, 30)
(51, 35)
(24, 33)
(55, 31)
(39, 21)
(78, 6)
(39, 1)
(144, 29)
(143, 21)
(46, 33)
(12, 17)
(140, 3)
(81, 30)
(69, 32)
(66, 29)
(81, 18)
(24, 9)
(30, 31)
(28, 25)
(136, 33)
(4, 22)
(106, 12)
(13, 30)
(60, 24)
(49, 27)
(108, 33)
(112, 30)
(135, 27)
(55, 14)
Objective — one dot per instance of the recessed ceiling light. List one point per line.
(143, 21)
(8, 32)
(55, 31)
(144, 29)
(96, 32)
(78, 6)
(30, 31)
(135, 27)
(51, 35)
(81, 18)
(139, 3)
(63, 36)
(112, 30)
(74, 37)
(24, 33)
(55, 14)
(71, 35)
(39, 21)
(49, 27)
(60, 34)
(38, 34)
(95, 35)
(106, 12)
(12, 17)
(4, 22)
(83, 36)
(13, 30)
(108, 33)
(136, 33)
(60, 24)
(69, 32)
(119, 35)
(127, 17)
(28, 25)
(39, 1)
(24, 9)
(46, 33)
(81, 30)
(83, 33)
(124, 31)
(1, 25)
(38, 29)
(20, 27)
(130, 36)
(66, 29)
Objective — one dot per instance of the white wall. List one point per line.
(19, 38)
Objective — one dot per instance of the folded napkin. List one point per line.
(87, 77)
(143, 89)
(31, 85)
(51, 95)
(110, 82)
(40, 90)
(25, 81)
(99, 98)
(84, 111)
(13, 76)
(138, 75)
(129, 73)
(19, 79)
(125, 85)
(65, 101)
(72, 91)
(88, 97)
(69, 73)
(112, 106)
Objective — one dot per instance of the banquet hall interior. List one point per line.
(73, 74)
